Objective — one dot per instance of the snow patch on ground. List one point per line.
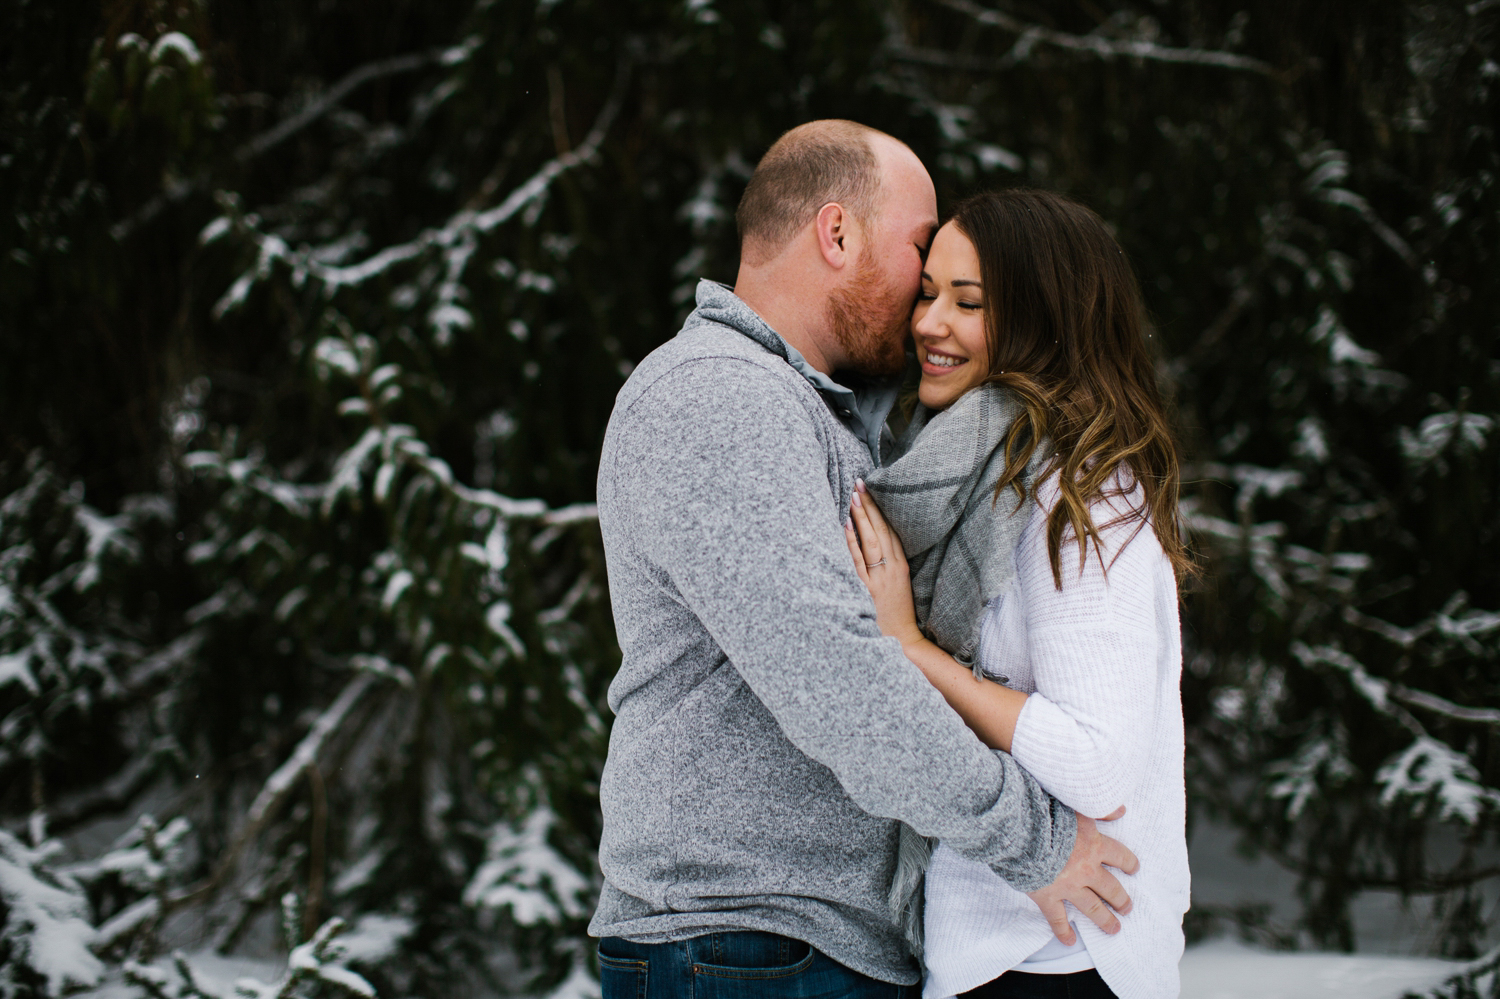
(1224, 969)
(215, 972)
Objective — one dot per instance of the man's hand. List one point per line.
(1086, 883)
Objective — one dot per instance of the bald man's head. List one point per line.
(825, 161)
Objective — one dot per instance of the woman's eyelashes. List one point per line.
(927, 296)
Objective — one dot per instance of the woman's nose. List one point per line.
(929, 323)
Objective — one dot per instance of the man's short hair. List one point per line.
(808, 167)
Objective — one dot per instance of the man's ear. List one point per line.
(832, 227)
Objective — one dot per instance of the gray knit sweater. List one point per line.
(766, 734)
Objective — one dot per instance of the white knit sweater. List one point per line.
(1102, 661)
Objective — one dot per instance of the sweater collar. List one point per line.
(862, 408)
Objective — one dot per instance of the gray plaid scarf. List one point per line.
(938, 494)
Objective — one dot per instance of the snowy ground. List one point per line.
(1216, 970)
(216, 974)
(1388, 932)
(1222, 969)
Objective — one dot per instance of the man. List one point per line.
(767, 736)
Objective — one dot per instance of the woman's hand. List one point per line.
(881, 563)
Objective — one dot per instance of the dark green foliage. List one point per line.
(325, 305)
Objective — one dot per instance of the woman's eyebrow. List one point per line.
(962, 282)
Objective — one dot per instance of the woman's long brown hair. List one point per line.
(1067, 332)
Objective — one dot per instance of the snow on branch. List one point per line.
(1445, 707)
(306, 753)
(1374, 689)
(467, 222)
(280, 784)
(1427, 768)
(1095, 44)
(46, 930)
(1327, 166)
(524, 874)
(1468, 980)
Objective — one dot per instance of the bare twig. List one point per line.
(1105, 48)
(330, 99)
(557, 107)
(952, 60)
(278, 788)
(316, 850)
(1239, 300)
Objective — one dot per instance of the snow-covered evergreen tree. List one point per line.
(313, 317)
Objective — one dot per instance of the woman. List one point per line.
(1036, 496)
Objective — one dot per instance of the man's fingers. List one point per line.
(1118, 855)
(1105, 886)
(1057, 918)
(1099, 913)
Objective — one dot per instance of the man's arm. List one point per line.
(725, 480)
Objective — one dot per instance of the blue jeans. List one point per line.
(733, 966)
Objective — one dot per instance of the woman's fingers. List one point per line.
(869, 539)
(852, 540)
(890, 545)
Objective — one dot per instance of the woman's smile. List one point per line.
(947, 324)
(936, 359)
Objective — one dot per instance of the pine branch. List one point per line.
(1104, 48)
(1444, 707)
(331, 98)
(278, 787)
(467, 222)
(180, 190)
(1374, 689)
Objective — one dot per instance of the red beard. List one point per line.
(870, 322)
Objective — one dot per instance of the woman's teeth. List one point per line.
(945, 362)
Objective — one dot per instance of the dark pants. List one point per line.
(1020, 985)
(733, 966)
